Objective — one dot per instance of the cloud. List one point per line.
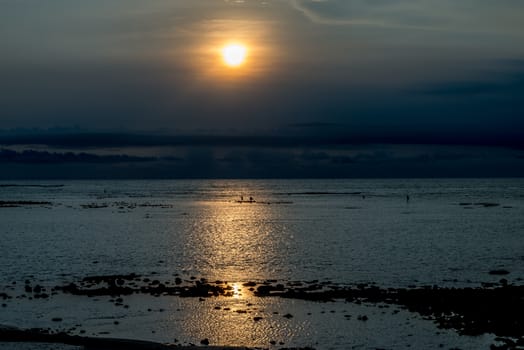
(341, 137)
(44, 157)
(123, 65)
(211, 162)
(483, 16)
(509, 83)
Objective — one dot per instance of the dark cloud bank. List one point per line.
(135, 156)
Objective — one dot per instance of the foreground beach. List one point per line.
(491, 309)
(35, 337)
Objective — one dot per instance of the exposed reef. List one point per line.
(492, 308)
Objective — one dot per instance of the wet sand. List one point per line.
(8, 334)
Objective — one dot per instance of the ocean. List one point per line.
(394, 233)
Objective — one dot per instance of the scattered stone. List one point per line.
(499, 272)
(204, 341)
(487, 204)
(15, 204)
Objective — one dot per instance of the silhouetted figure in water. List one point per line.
(251, 199)
(407, 198)
(363, 197)
(241, 198)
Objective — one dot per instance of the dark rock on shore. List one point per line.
(15, 204)
(499, 272)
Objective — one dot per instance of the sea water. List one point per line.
(395, 233)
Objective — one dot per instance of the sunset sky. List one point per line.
(323, 88)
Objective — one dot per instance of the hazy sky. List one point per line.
(367, 72)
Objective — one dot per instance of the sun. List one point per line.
(234, 55)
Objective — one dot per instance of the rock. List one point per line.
(264, 290)
(487, 204)
(57, 319)
(499, 272)
(256, 319)
(204, 341)
(288, 316)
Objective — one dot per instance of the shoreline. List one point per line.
(15, 335)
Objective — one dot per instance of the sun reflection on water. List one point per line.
(239, 242)
(236, 290)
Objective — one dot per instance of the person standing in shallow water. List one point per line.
(407, 198)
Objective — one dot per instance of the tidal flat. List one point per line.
(193, 263)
